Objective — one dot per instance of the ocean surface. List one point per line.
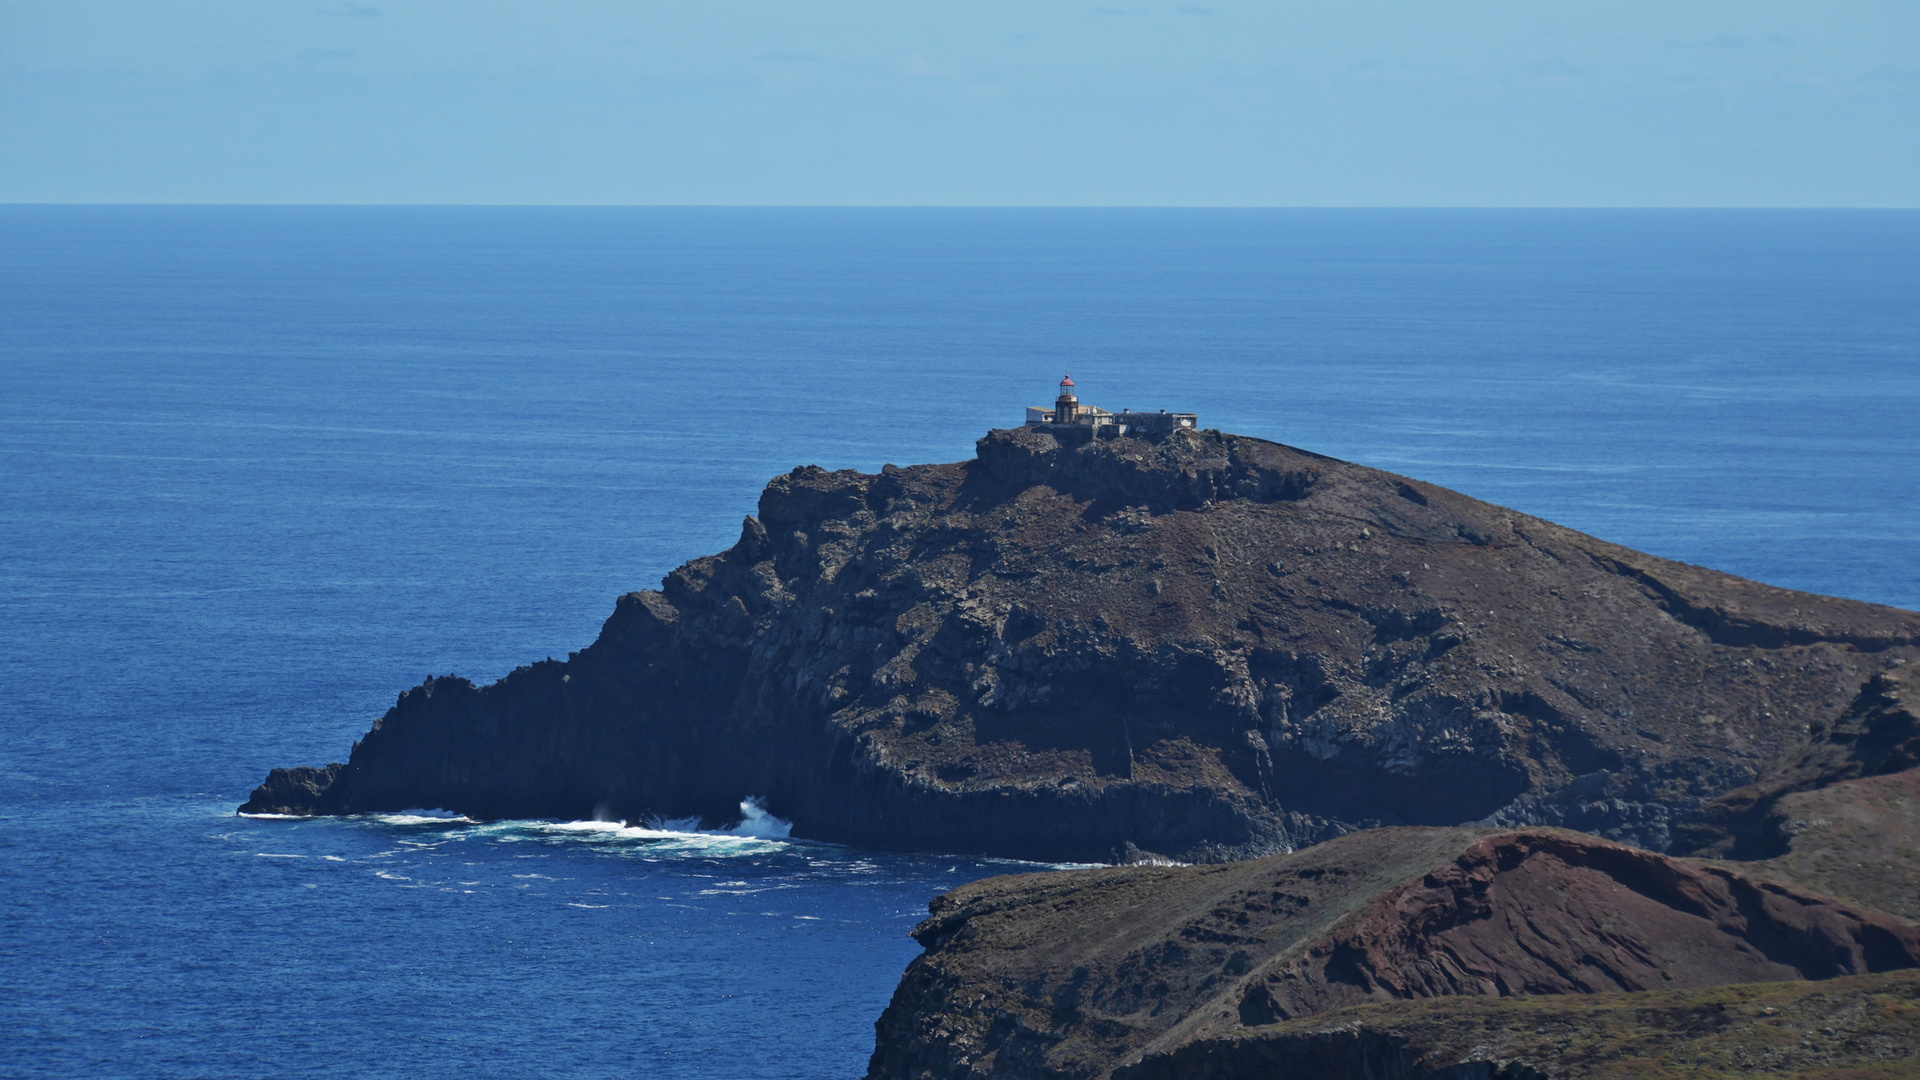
(263, 468)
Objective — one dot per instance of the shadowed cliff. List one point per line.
(1204, 646)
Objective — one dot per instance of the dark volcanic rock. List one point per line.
(1205, 646)
(1070, 975)
(292, 791)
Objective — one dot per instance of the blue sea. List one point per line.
(262, 468)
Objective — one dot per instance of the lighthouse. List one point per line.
(1067, 407)
(1069, 419)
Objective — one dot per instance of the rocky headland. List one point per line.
(1201, 646)
(1221, 970)
(1476, 796)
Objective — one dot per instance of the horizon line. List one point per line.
(941, 206)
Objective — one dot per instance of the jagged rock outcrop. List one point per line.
(1204, 646)
(1071, 975)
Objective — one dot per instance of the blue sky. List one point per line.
(1211, 103)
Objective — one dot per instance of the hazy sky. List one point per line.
(1668, 103)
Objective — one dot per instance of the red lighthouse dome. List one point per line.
(1067, 406)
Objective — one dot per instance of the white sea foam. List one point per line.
(423, 817)
(585, 826)
(756, 822)
(757, 832)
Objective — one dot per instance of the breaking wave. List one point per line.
(757, 832)
(755, 821)
(434, 816)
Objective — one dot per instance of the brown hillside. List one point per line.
(1864, 1027)
(1073, 974)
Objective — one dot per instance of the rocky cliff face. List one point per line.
(1075, 974)
(1205, 646)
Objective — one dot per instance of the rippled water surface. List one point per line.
(196, 943)
(263, 468)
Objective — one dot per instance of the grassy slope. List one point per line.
(1852, 1028)
(1859, 839)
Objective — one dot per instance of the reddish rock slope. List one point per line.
(1071, 975)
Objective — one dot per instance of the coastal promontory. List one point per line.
(1194, 645)
(1400, 954)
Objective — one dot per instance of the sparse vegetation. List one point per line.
(1855, 1028)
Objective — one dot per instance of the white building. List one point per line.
(1067, 412)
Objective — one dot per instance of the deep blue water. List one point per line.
(263, 468)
